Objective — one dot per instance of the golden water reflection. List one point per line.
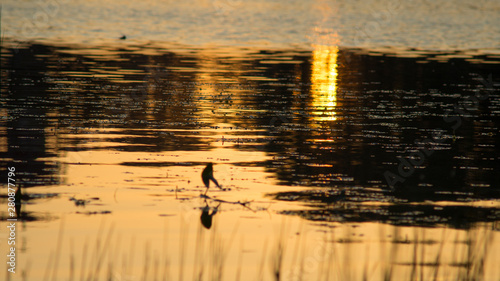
(324, 82)
(104, 152)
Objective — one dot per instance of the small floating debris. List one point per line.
(88, 213)
(82, 202)
(79, 202)
(166, 215)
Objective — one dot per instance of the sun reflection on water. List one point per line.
(324, 82)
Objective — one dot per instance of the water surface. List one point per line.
(429, 25)
(336, 162)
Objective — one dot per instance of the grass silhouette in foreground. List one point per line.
(409, 256)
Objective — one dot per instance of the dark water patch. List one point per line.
(28, 216)
(370, 205)
(26, 199)
(160, 164)
(460, 217)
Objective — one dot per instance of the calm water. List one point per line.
(353, 140)
(429, 25)
(336, 163)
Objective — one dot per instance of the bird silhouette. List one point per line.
(207, 175)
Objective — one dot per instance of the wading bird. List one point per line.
(207, 175)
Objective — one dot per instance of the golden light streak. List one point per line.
(324, 82)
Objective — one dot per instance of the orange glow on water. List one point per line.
(116, 189)
(324, 82)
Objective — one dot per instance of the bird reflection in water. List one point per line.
(207, 214)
